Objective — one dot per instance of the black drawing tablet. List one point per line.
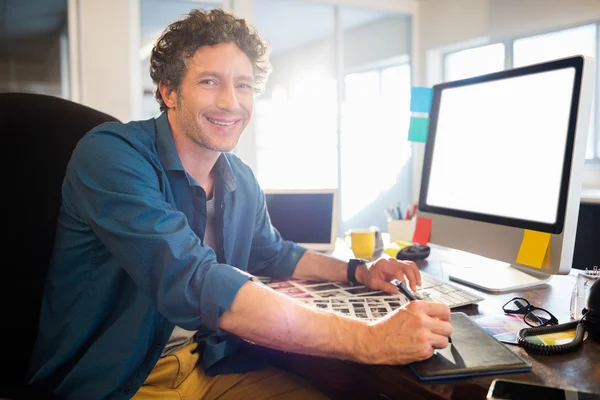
(473, 352)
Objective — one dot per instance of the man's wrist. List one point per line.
(355, 339)
(352, 269)
(361, 272)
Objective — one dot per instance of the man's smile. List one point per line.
(222, 122)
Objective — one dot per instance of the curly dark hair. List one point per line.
(180, 40)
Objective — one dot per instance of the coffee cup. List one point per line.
(363, 241)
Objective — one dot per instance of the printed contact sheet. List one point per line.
(339, 297)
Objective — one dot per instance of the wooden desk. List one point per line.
(579, 370)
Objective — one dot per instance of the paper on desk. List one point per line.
(505, 328)
(554, 338)
(534, 248)
(422, 231)
(420, 99)
(354, 301)
(418, 129)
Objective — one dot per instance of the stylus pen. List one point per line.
(404, 290)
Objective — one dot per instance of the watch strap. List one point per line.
(352, 265)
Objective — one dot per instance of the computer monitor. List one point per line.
(504, 154)
(307, 217)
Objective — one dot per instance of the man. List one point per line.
(160, 233)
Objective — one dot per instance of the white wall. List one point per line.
(522, 17)
(401, 6)
(445, 25)
(104, 43)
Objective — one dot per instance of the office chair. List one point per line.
(39, 133)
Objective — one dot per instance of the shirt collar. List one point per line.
(170, 158)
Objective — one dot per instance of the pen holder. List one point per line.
(401, 229)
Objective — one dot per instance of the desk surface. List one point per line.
(579, 370)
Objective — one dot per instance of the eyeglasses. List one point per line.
(534, 316)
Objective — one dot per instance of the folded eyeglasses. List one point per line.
(534, 316)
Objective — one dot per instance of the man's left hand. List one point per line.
(379, 273)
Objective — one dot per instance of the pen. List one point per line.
(404, 290)
(411, 297)
(392, 211)
(387, 214)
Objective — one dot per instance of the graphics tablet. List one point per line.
(472, 352)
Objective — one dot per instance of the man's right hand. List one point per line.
(411, 333)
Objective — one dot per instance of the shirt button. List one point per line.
(128, 390)
(159, 342)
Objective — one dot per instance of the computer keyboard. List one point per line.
(434, 289)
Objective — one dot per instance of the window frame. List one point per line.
(379, 68)
(509, 63)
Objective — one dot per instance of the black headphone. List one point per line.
(592, 315)
(590, 323)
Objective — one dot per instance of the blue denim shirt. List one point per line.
(129, 262)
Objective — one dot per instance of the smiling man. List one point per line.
(151, 291)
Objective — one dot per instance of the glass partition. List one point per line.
(155, 16)
(296, 117)
(34, 54)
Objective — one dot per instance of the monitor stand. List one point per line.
(494, 276)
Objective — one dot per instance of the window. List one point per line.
(568, 42)
(296, 134)
(296, 117)
(549, 46)
(473, 62)
(155, 15)
(530, 50)
(374, 145)
(34, 43)
(331, 114)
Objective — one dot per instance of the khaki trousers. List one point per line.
(180, 376)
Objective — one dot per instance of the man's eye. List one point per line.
(208, 82)
(245, 86)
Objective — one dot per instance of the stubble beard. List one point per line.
(194, 132)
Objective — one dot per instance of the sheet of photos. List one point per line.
(306, 289)
(368, 308)
(341, 297)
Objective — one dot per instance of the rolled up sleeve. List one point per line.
(118, 192)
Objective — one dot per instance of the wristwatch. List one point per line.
(352, 264)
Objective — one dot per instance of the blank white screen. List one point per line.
(499, 146)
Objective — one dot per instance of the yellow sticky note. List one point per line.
(534, 248)
(392, 250)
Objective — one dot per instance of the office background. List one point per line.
(335, 112)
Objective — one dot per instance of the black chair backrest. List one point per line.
(39, 134)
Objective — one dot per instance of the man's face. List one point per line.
(214, 103)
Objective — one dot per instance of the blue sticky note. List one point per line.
(417, 132)
(420, 99)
